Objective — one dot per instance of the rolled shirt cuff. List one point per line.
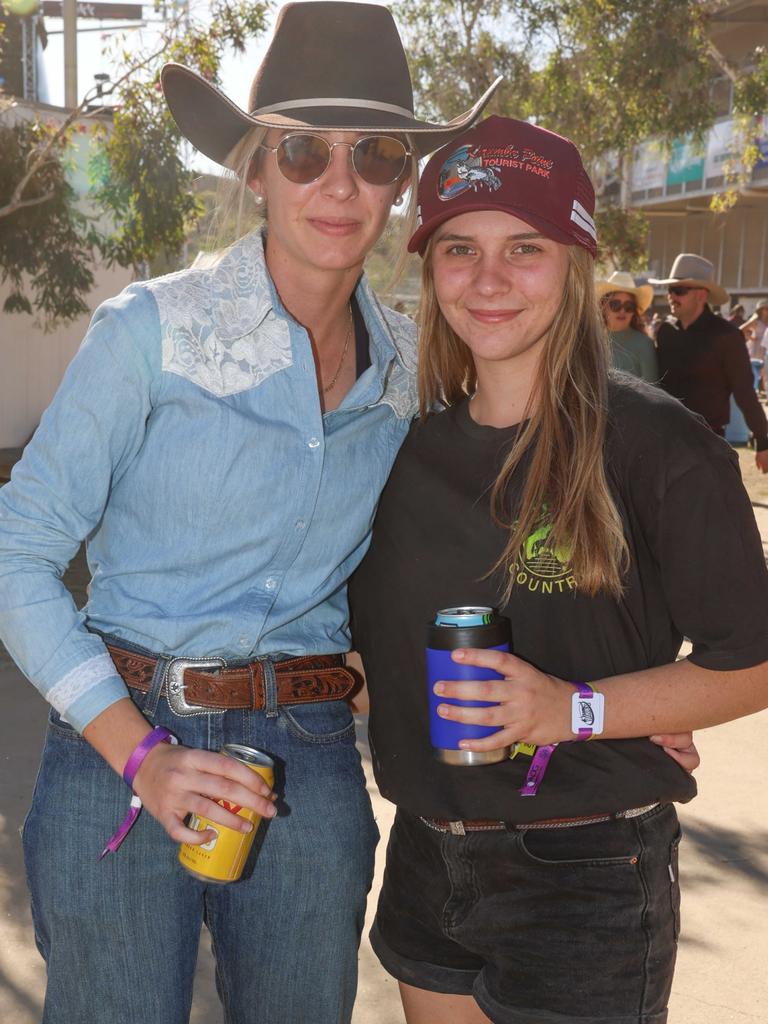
(89, 705)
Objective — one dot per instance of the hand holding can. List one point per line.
(222, 858)
(454, 628)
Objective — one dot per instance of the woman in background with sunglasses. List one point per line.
(622, 304)
(221, 440)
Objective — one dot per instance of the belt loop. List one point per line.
(270, 688)
(157, 687)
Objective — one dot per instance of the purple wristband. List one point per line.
(537, 769)
(132, 765)
(135, 761)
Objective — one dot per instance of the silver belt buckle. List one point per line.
(174, 685)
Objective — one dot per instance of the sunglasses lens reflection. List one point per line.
(378, 160)
(616, 305)
(303, 158)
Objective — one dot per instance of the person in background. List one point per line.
(579, 503)
(736, 315)
(754, 330)
(758, 321)
(221, 440)
(702, 358)
(623, 304)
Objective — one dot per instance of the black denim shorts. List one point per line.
(542, 926)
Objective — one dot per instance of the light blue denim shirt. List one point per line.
(223, 511)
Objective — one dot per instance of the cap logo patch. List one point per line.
(481, 167)
(465, 170)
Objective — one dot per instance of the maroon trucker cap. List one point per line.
(515, 167)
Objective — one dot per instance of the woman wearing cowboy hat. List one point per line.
(622, 303)
(221, 440)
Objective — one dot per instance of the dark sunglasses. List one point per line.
(303, 158)
(616, 305)
(679, 289)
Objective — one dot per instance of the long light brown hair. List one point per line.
(562, 433)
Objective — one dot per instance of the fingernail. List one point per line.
(458, 655)
(442, 709)
(247, 827)
(439, 688)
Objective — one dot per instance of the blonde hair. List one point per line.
(236, 212)
(563, 431)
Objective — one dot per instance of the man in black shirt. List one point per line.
(702, 358)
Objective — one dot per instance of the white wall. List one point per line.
(32, 362)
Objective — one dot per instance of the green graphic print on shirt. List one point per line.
(541, 566)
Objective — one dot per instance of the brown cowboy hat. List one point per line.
(332, 66)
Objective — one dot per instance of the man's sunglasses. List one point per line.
(680, 289)
(303, 158)
(616, 305)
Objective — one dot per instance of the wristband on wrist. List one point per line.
(587, 712)
(132, 765)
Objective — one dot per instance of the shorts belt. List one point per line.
(209, 684)
(460, 828)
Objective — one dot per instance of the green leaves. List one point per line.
(46, 243)
(606, 73)
(141, 204)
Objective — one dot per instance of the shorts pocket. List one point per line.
(606, 843)
(327, 721)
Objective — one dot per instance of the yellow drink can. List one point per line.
(223, 858)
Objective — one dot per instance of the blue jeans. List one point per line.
(120, 936)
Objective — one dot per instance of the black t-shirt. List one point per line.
(697, 570)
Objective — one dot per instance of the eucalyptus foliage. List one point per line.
(46, 248)
(606, 73)
(141, 205)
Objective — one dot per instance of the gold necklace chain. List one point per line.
(329, 387)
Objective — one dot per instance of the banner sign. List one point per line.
(723, 148)
(686, 162)
(648, 169)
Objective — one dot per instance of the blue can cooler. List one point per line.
(452, 628)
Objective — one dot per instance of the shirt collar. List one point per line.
(705, 315)
(241, 296)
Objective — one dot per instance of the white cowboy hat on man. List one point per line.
(695, 272)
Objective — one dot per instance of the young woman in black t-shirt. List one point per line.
(561, 907)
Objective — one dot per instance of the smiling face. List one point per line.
(328, 225)
(499, 283)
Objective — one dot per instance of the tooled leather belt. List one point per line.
(209, 684)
